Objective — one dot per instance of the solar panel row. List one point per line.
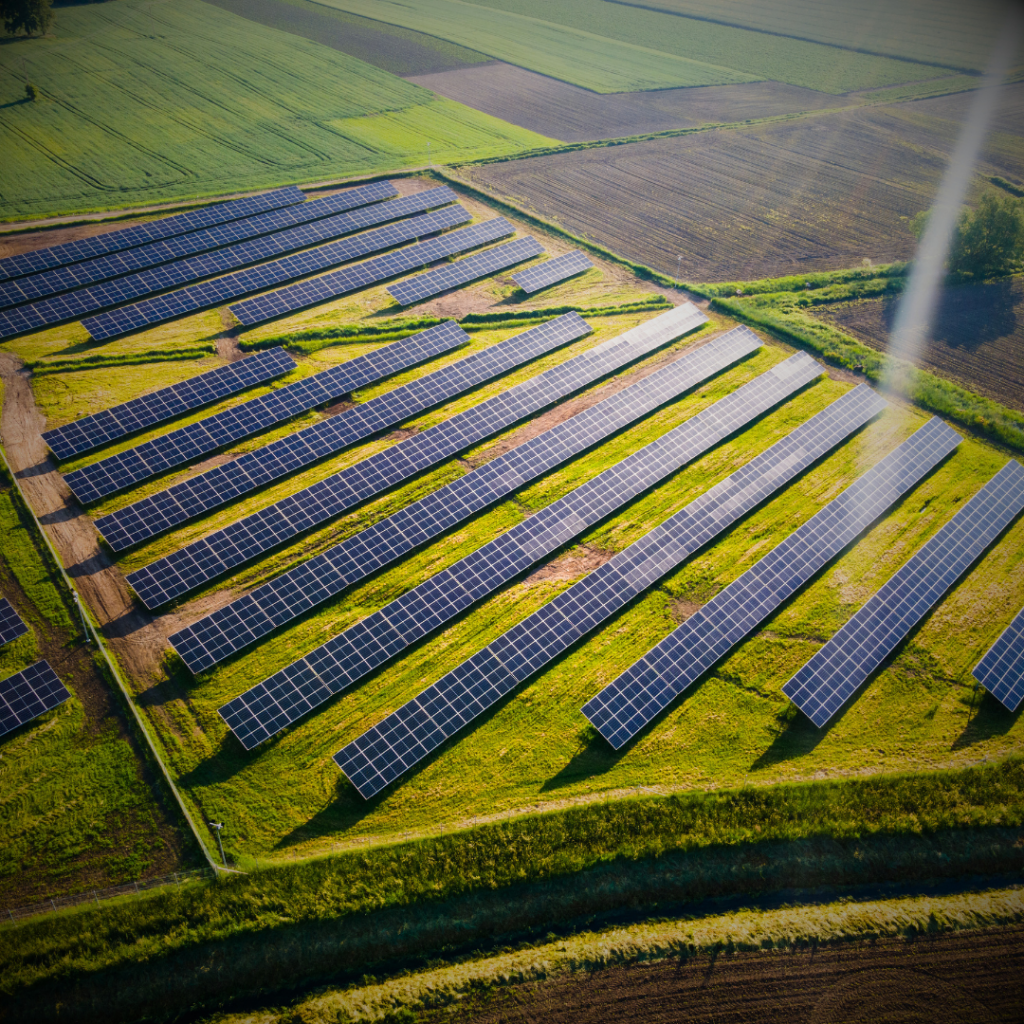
(550, 272)
(253, 616)
(1001, 671)
(71, 305)
(188, 443)
(28, 694)
(204, 559)
(823, 685)
(286, 696)
(248, 538)
(383, 753)
(341, 282)
(643, 691)
(113, 241)
(266, 275)
(138, 414)
(451, 275)
(78, 275)
(11, 626)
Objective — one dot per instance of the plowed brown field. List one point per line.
(978, 339)
(566, 112)
(819, 193)
(959, 978)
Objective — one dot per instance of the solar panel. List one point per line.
(78, 275)
(643, 691)
(290, 595)
(451, 275)
(1001, 671)
(266, 275)
(71, 305)
(28, 694)
(550, 272)
(114, 241)
(843, 664)
(342, 661)
(11, 626)
(384, 752)
(263, 531)
(341, 282)
(193, 497)
(138, 414)
(189, 443)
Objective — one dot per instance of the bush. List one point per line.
(31, 91)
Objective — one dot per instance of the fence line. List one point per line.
(15, 914)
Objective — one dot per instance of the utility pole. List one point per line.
(218, 825)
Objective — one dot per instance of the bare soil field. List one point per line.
(819, 193)
(566, 112)
(978, 340)
(961, 977)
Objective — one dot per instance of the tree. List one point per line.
(27, 16)
(988, 241)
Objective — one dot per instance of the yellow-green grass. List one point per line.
(127, 88)
(75, 808)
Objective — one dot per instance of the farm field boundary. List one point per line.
(277, 928)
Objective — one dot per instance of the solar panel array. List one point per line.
(11, 626)
(341, 282)
(138, 414)
(1001, 671)
(383, 753)
(839, 668)
(71, 305)
(643, 691)
(451, 275)
(232, 286)
(550, 272)
(28, 694)
(188, 443)
(342, 661)
(78, 275)
(209, 557)
(290, 595)
(114, 241)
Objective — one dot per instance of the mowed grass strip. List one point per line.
(130, 87)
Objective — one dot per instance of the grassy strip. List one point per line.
(550, 849)
(1007, 186)
(857, 279)
(41, 366)
(465, 986)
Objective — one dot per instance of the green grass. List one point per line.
(129, 87)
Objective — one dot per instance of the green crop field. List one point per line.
(612, 47)
(143, 101)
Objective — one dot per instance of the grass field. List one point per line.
(79, 808)
(608, 47)
(128, 88)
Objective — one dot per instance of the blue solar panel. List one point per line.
(533, 279)
(125, 238)
(451, 275)
(170, 275)
(138, 414)
(341, 662)
(1001, 671)
(11, 626)
(197, 439)
(253, 616)
(204, 559)
(844, 664)
(28, 694)
(341, 282)
(644, 690)
(383, 753)
(78, 275)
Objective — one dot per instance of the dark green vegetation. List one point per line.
(78, 803)
(337, 917)
(26, 17)
(988, 241)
